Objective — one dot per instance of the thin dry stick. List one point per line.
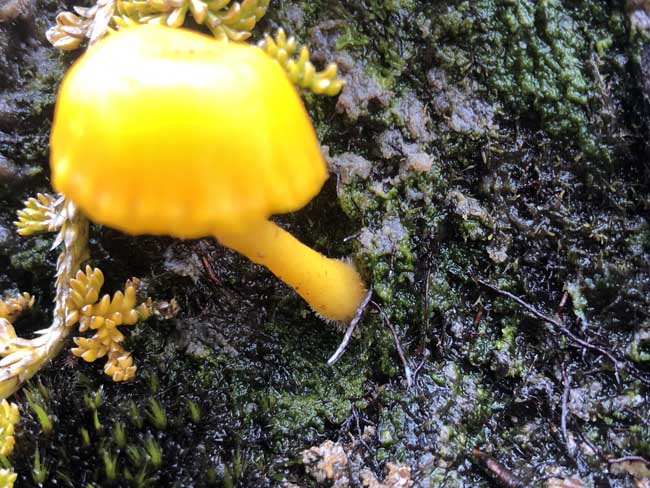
(209, 269)
(351, 328)
(503, 474)
(592, 446)
(588, 345)
(566, 379)
(629, 459)
(426, 325)
(398, 345)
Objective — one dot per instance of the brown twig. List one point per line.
(350, 330)
(417, 369)
(398, 345)
(477, 318)
(629, 459)
(503, 474)
(592, 446)
(208, 269)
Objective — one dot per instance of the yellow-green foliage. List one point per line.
(7, 478)
(104, 317)
(38, 215)
(294, 58)
(13, 305)
(77, 301)
(22, 358)
(9, 417)
(37, 399)
(226, 19)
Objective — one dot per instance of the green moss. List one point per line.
(473, 230)
(394, 212)
(639, 349)
(639, 241)
(446, 420)
(536, 57)
(442, 296)
(36, 258)
(489, 373)
(351, 38)
(319, 396)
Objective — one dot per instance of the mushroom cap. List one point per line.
(167, 131)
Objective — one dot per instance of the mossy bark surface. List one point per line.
(478, 148)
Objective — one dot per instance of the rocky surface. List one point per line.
(480, 152)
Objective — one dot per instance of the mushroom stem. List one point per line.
(333, 288)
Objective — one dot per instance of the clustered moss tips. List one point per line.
(9, 417)
(294, 59)
(39, 215)
(22, 358)
(227, 20)
(40, 468)
(77, 301)
(15, 304)
(84, 291)
(16, 353)
(69, 32)
(104, 316)
(90, 23)
(7, 478)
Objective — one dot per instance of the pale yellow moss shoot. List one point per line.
(189, 136)
(9, 417)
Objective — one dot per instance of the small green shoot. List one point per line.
(85, 437)
(153, 382)
(211, 476)
(40, 469)
(227, 478)
(139, 480)
(110, 465)
(135, 455)
(154, 451)
(135, 416)
(119, 435)
(45, 393)
(194, 411)
(156, 414)
(93, 402)
(37, 404)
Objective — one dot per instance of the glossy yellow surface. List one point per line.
(333, 288)
(167, 131)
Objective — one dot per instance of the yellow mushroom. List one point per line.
(167, 131)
